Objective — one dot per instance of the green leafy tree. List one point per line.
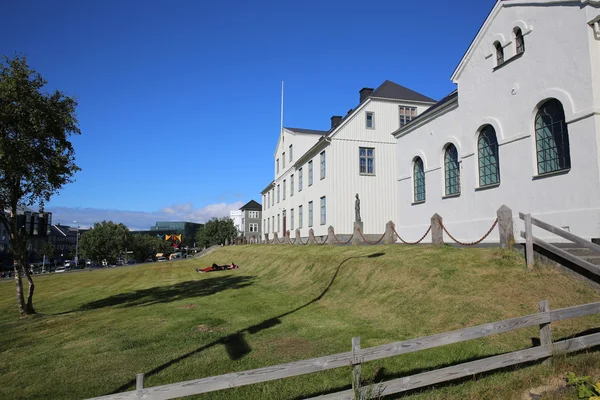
(106, 240)
(145, 246)
(216, 231)
(36, 156)
(48, 250)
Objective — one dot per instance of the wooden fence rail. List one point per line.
(360, 355)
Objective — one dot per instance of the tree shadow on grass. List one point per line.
(167, 294)
(235, 344)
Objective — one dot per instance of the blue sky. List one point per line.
(179, 101)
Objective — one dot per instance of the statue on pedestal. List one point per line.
(357, 209)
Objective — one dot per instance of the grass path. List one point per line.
(98, 329)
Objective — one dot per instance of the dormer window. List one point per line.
(499, 53)
(519, 41)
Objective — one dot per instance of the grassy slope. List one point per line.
(99, 328)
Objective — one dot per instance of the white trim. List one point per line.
(449, 106)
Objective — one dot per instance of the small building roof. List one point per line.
(306, 131)
(391, 90)
(252, 206)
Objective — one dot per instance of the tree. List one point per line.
(106, 240)
(145, 246)
(36, 156)
(216, 231)
(48, 250)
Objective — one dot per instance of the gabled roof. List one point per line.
(252, 206)
(391, 90)
(306, 131)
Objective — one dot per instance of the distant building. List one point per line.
(36, 225)
(236, 216)
(164, 229)
(64, 240)
(251, 220)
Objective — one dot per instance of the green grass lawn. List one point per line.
(97, 329)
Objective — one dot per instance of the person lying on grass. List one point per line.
(216, 267)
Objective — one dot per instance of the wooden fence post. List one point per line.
(505, 227)
(139, 384)
(437, 234)
(545, 331)
(356, 370)
(528, 241)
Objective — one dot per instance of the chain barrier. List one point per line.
(307, 240)
(472, 243)
(372, 243)
(411, 243)
(342, 243)
(324, 240)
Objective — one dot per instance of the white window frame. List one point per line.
(292, 185)
(406, 114)
(366, 157)
(310, 214)
(310, 173)
(300, 176)
(372, 115)
(323, 210)
(300, 217)
(253, 227)
(323, 165)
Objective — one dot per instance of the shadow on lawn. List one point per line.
(235, 344)
(167, 294)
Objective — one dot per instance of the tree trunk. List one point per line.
(19, 283)
(29, 306)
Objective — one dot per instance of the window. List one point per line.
(419, 180)
(278, 223)
(253, 214)
(370, 120)
(264, 202)
(284, 186)
(452, 172)
(499, 53)
(265, 226)
(323, 211)
(278, 193)
(300, 217)
(407, 114)
(273, 223)
(278, 165)
(323, 171)
(552, 138)
(292, 219)
(292, 185)
(253, 227)
(519, 41)
(272, 197)
(366, 161)
(300, 180)
(290, 152)
(487, 151)
(283, 160)
(310, 173)
(310, 213)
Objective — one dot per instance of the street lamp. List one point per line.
(77, 246)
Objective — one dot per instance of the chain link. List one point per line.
(342, 243)
(411, 243)
(371, 243)
(324, 240)
(472, 243)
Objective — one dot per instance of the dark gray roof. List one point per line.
(391, 90)
(307, 131)
(251, 205)
(434, 107)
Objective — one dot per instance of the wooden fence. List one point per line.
(357, 356)
(530, 240)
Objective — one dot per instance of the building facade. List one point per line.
(37, 228)
(251, 219)
(522, 129)
(318, 173)
(236, 217)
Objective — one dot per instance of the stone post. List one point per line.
(390, 236)
(437, 234)
(330, 239)
(275, 238)
(266, 238)
(288, 239)
(311, 237)
(505, 227)
(356, 237)
(298, 240)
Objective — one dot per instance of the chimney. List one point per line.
(364, 93)
(335, 121)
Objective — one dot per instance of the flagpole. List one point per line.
(281, 124)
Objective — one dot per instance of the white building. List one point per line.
(523, 128)
(318, 173)
(236, 216)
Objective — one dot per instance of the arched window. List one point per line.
(452, 171)
(519, 41)
(552, 138)
(499, 53)
(419, 180)
(487, 150)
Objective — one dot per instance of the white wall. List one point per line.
(236, 216)
(556, 64)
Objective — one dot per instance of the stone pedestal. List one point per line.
(437, 234)
(266, 238)
(311, 237)
(390, 236)
(505, 227)
(298, 240)
(275, 238)
(330, 237)
(356, 237)
(288, 239)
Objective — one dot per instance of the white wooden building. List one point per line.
(318, 173)
(523, 128)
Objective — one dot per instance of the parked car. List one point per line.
(68, 263)
(60, 269)
(148, 260)
(130, 262)
(161, 259)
